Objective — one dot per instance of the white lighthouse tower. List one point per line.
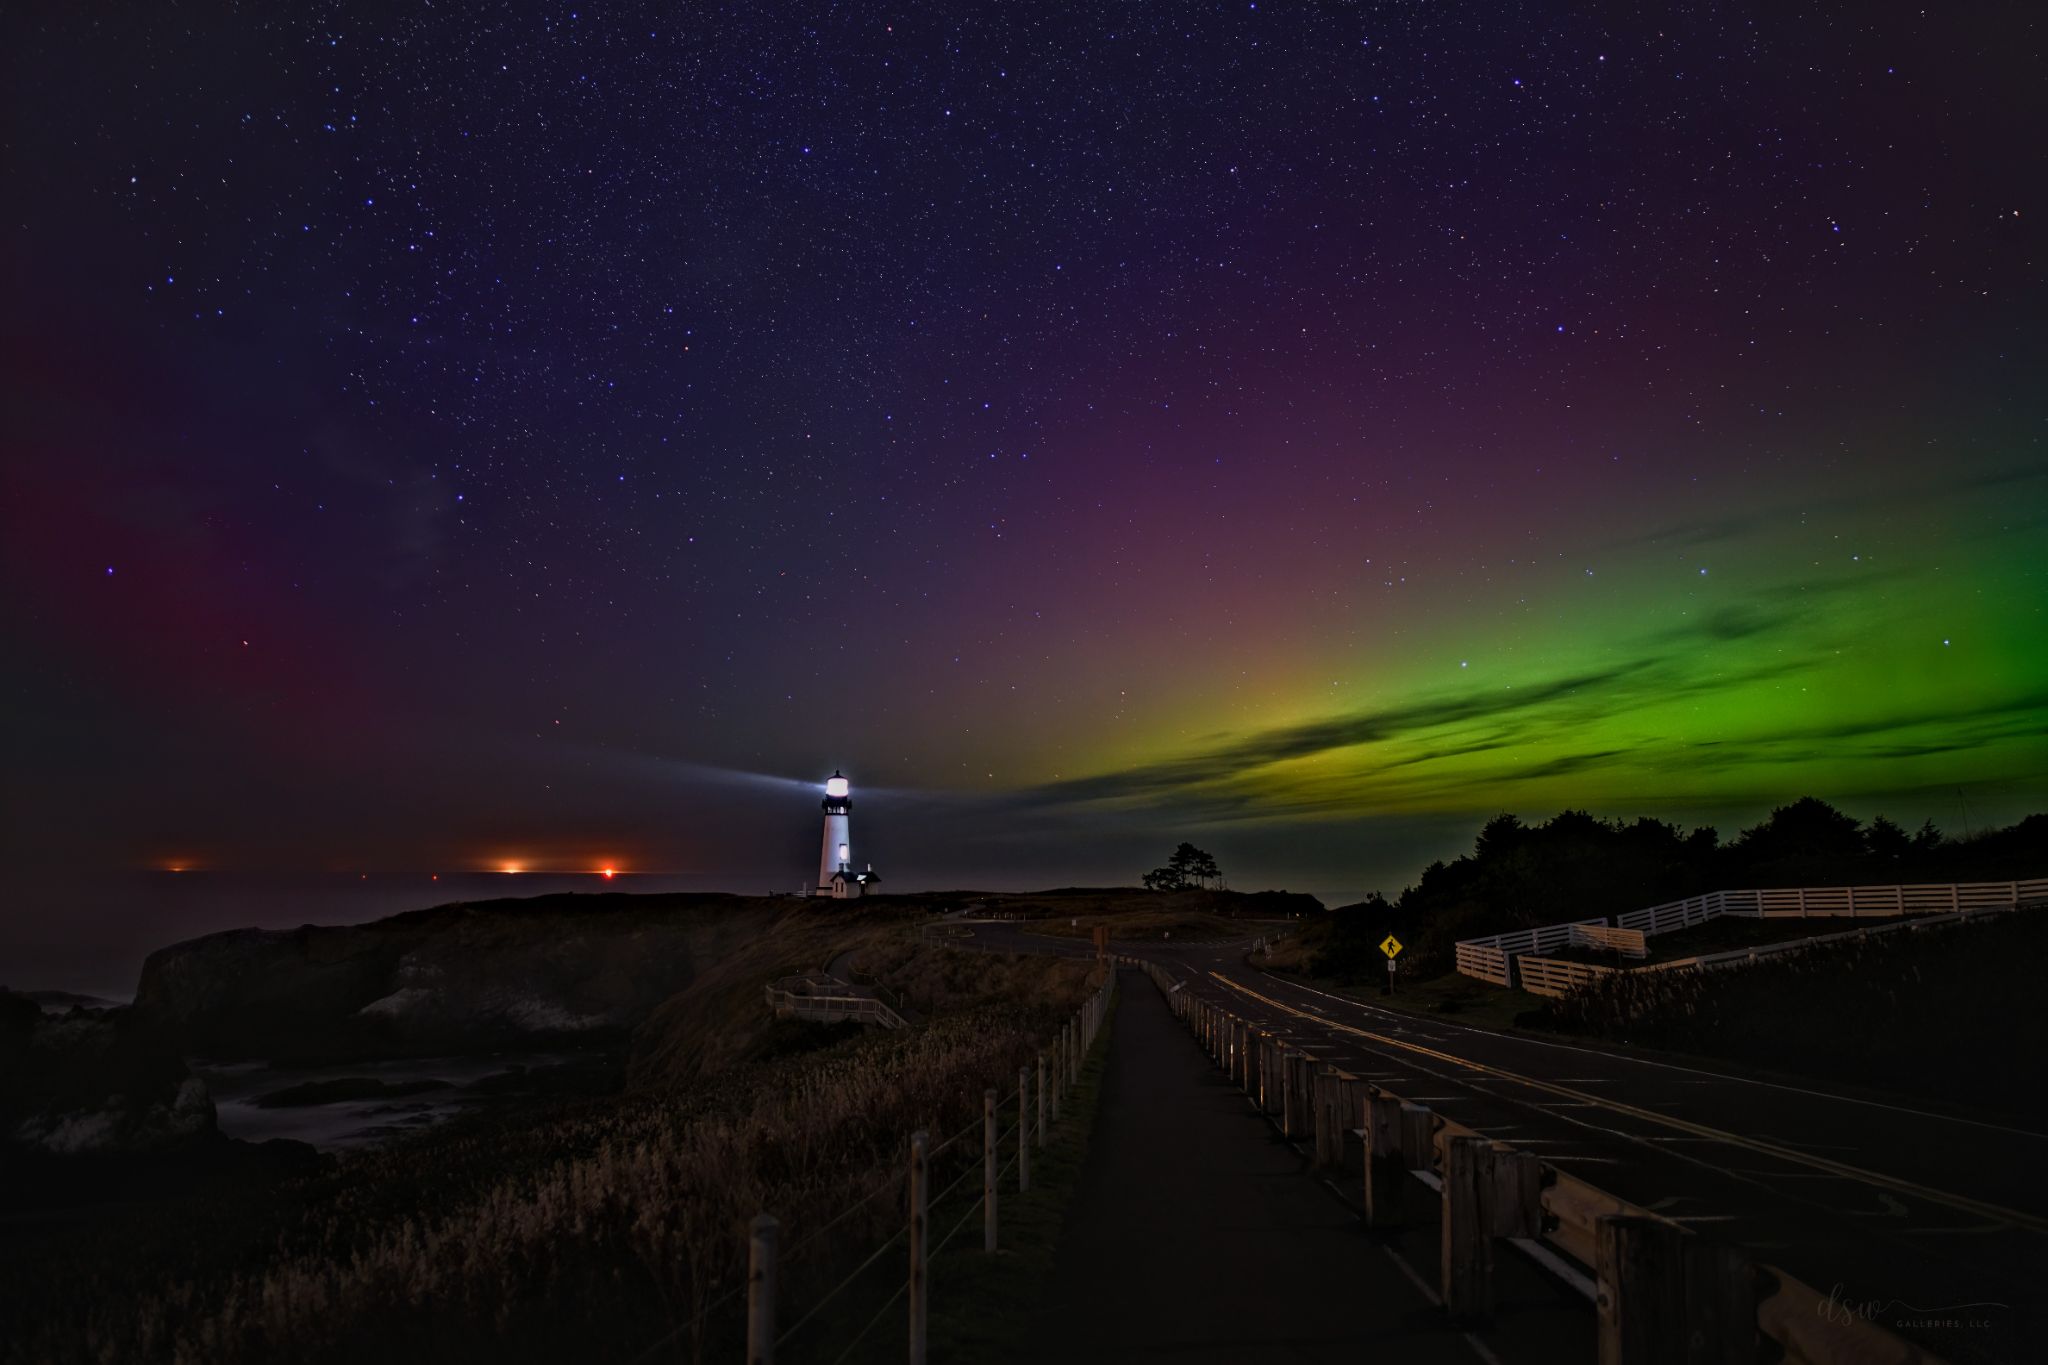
(836, 877)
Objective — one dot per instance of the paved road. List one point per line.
(1939, 1223)
(1199, 1236)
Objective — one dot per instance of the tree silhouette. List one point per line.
(1188, 867)
(1887, 841)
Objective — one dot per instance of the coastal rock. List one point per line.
(458, 978)
(95, 1081)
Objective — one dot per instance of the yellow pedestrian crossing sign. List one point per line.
(1391, 947)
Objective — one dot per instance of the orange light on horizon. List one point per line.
(609, 872)
(513, 868)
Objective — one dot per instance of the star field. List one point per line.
(440, 437)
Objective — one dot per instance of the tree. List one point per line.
(1189, 866)
(1887, 841)
(1500, 837)
(1809, 828)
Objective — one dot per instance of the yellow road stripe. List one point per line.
(2011, 1217)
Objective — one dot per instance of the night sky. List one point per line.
(444, 437)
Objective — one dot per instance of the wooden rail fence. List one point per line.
(1006, 1124)
(829, 1004)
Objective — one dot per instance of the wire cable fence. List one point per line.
(1011, 1121)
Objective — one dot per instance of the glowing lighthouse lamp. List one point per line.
(836, 877)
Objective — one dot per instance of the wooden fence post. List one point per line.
(1637, 1301)
(1384, 1171)
(1467, 1271)
(1322, 1084)
(1721, 1295)
(1023, 1131)
(1041, 1099)
(988, 1170)
(764, 1233)
(1418, 1137)
(919, 1235)
(1665, 1294)
(1517, 1193)
(1334, 1093)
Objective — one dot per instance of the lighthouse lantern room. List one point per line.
(836, 877)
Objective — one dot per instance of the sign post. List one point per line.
(1392, 948)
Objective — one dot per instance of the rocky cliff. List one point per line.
(94, 1081)
(458, 978)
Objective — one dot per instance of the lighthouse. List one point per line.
(836, 877)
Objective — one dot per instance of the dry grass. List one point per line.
(720, 1022)
(588, 1232)
(932, 977)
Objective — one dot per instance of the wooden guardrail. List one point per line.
(1662, 1292)
(1502, 958)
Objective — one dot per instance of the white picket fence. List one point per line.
(1516, 958)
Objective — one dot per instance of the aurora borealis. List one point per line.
(561, 434)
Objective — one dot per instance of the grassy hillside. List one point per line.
(585, 1230)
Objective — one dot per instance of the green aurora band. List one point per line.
(1716, 669)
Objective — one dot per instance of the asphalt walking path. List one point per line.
(1198, 1234)
(1874, 1201)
